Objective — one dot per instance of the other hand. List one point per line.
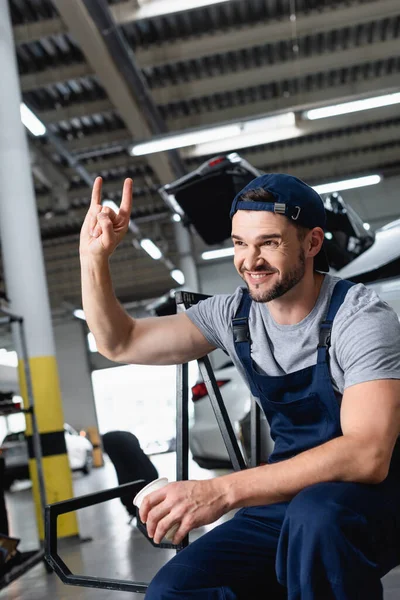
(103, 228)
(187, 504)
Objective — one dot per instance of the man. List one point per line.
(321, 520)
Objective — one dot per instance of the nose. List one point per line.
(253, 259)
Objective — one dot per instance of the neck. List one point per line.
(296, 304)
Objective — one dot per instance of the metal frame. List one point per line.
(32, 557)
(183, 301)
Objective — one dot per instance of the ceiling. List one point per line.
(99, 77)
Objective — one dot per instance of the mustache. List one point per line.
(268, 271)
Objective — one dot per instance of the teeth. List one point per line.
(258, 276)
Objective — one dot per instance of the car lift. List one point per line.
(183, 301)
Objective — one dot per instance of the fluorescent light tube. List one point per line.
(180, 140)
(350, 107)
(243, 141)
(254, 132)
(30, 120)
(347, 184)
(178, 276)
(224, 138)
(153, 8)
(211, 254)
(151, 249)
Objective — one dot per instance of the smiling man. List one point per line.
(320, 521)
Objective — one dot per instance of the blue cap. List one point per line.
(294, 199)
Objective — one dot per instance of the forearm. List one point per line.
(342, 459)
(106, 319)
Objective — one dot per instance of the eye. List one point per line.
(270, 243)
(238, 243)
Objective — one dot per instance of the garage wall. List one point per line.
(75, 381)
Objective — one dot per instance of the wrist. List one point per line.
(230, 488)
(94, 261)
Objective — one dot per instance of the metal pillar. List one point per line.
(26, 285)
(187, 263)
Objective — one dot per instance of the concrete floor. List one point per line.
(117, 550)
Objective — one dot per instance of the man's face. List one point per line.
(269, 256)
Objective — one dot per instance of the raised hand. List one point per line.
(103, 229)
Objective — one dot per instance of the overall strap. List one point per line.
(241, 335)
(338, 295)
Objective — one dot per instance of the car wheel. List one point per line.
(87, 467)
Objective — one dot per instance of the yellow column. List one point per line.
(26, 286)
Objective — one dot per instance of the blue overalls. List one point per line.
(332, 541)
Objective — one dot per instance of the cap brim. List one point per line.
(321, 261)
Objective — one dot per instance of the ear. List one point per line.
(315, 241)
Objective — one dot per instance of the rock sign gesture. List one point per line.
(103, 229)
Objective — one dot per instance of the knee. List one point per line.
(174, 580)
(316, 510)
(164, 584)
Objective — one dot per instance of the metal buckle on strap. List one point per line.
(280, 208)
(241, 331)
(325, 335)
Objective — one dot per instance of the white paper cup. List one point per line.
(157, 484)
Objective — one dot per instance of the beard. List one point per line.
(286, 283)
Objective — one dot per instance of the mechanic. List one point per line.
(321, 520)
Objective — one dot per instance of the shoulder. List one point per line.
(361, 301)
(221, 304)
(364, 315)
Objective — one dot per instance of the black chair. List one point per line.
(130, 463)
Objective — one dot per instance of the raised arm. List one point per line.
(119, 337)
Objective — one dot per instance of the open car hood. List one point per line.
(204, 196)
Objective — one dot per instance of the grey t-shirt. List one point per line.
(365, 339)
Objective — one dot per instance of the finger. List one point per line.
(149, 502)
(109, 212)
(96, 231)
(179, 535)
(126, 201)
(96, 193)
(164, 526)
(155, 515)
(107, 230)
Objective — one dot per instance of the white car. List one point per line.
(14, 449)
(205, 439)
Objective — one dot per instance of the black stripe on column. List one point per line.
(52, 443)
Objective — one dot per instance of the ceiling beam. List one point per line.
(249, 36)
(340, 123)
(296, 102)
(61, 73)
(277, 158)
(30, 32)
(277, 72)
(339, 93)
(91, 41)
(330, 168)
(98, 140)
(77, 110)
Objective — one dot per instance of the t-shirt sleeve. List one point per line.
(366, 337)
(213, 317)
